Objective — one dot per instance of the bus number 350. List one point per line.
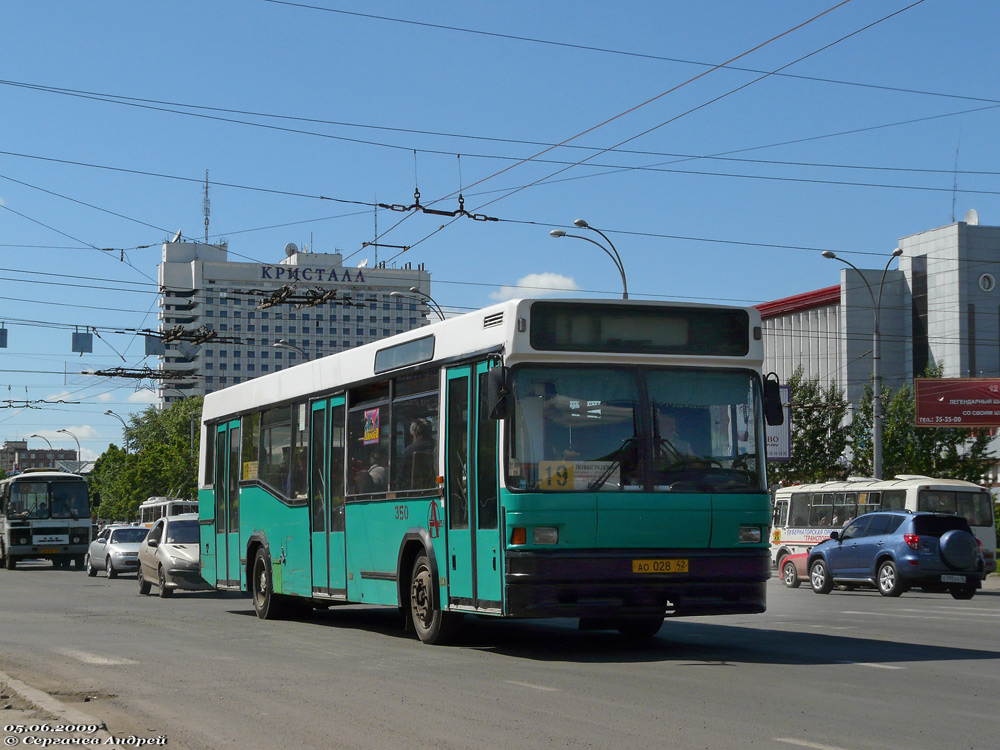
(402, 512)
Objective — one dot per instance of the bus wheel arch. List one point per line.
(418, 587)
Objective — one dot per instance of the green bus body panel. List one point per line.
(729, 512)
(638, 520)
(375, 531)
(206, 513)
(287, 532)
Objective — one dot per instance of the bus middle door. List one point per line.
(227, 505)
(459, 507)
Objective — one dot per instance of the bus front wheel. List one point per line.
(640, 628)
(265, 603)
(10, 562)
(432, 625)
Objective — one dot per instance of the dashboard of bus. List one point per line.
(636, 429)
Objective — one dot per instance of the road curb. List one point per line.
(65, 715)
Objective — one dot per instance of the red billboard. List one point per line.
(957, 402)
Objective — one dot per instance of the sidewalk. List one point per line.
(29, 717)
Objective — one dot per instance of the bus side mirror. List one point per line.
(774, 415)
(498, 392)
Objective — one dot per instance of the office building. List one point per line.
(940, 307)
(224, 321)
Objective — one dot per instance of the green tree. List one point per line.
(163, 460)
(819, 434)
(946, 452)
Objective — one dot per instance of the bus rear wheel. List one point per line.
(266, 603)
(432, 625)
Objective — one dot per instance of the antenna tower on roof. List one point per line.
(206, 206)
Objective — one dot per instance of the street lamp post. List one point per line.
(79, 450)
(612, 253)
(282, 344)
(426, 299)
(124, 427)
(876, 357)
(42, 437)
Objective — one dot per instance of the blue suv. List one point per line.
(896, 550)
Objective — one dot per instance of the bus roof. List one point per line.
(868, 484)
(36, 474)
(491, 329)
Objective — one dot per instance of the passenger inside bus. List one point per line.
(414, 459)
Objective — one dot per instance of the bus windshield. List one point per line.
(613, 429)
(59, 499)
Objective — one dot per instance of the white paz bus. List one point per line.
(805, 514)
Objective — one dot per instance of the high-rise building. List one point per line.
(223, 322)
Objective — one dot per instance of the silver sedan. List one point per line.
(115, 550)
(169, 556)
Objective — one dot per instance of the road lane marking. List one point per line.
(871, 664)
(88, 658)
(804, 743)
(533, 687)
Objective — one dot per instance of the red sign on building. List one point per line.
(957, 402)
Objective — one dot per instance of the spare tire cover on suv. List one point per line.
(959, 549)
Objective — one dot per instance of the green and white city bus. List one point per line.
(44, 514)
(538, 458)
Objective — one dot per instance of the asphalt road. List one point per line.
(848, 670)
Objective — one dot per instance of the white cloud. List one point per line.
(105, 397)
(61, 396)
(537, 285)
(143, 397)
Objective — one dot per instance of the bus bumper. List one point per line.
(601, 583)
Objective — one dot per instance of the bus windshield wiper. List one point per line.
(616, 463)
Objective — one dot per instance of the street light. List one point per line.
(42, 437)
(282, 344)
(79, 450)
(876, 358)
(124, 427)
(423, 297)
(612, 253)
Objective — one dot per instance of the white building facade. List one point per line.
(224, 322)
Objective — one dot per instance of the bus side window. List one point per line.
(893, 499)
(799, 509)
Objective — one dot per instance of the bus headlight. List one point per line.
(750, 534)
(544, 535)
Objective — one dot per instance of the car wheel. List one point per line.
(143, 584)
(432, 625)
(962, 592)
(790, 575)
(91, 570)
(161, 581)
(112, 573)
(267, 604)
(820, 578)
(888, 579)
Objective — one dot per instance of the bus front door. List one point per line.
(474, 562)
(227, 505)
(329, 551)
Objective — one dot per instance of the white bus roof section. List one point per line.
(900, 482)
(494, 328)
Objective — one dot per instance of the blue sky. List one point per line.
(307, 114)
